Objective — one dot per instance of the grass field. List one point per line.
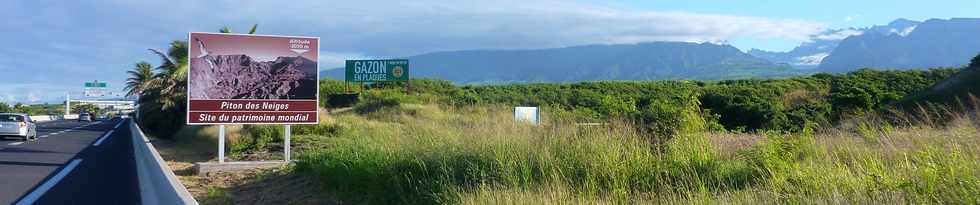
(426, 154)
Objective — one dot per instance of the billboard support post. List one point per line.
(221, 143)
(286, 143)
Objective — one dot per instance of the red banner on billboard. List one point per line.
(252, 79)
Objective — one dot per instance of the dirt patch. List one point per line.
(260, 186)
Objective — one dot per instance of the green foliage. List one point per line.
(86, 108)
(35, 109)
(376, 100)
(333, 91)
(963, 87)
(258, 138)
(737, 105)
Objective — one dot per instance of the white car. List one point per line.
(17, 125)
(85, 117)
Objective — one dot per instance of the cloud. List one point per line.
(330, 60)
(67, 43)
(812, 60)
(837, 35)
(408, 28)
(904, 32)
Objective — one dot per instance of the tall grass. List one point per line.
(421, 154)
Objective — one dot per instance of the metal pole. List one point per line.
(286, 150)
(67, 104)
(221, 143)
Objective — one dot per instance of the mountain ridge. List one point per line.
(640, 61)
(810, 54)
(932, 43)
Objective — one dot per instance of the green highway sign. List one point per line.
(95, 84)
(376, 70)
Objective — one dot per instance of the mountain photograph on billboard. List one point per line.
(252, 79)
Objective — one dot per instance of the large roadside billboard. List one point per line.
(252, 79)
(376, 70)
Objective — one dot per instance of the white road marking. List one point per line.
(56, 133)
(44, 135)
(37, 193)
(117, 126)
(97, 143)
(15, 143)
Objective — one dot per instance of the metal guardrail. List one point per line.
(158, 184)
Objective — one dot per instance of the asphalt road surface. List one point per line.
(71, 163)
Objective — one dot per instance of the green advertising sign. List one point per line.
(376, 70)
(95, 84)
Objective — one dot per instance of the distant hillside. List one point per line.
(644, 61)
(810, 54)
(961, 85)
(933, 43)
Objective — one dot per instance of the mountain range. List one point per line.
(242, 77)
(643, 61)
(809, 55)
(933, 43)
(901, 44)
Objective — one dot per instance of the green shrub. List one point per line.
(257, 138)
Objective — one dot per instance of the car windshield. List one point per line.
(11, 118)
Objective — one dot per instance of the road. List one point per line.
(71, 163)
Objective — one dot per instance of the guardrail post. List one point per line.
(221, 143)
(286, 150)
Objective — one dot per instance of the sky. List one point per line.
(51, 48)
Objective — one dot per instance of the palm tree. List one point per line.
(172, 77)
(228, 30)
(162, 98)
(139, 79)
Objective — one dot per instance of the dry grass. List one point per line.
(425, 154)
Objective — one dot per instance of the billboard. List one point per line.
(252, 79)
(376, 70)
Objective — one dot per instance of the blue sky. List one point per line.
(832, 13)
(52, 47)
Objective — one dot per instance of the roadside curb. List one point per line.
(158, 184)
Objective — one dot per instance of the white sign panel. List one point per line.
(530, 115)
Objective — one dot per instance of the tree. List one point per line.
(139, 79)
(975, 62)
(171, 80)
(161, 102)
(86, 108)
(162, 97)
(4, 107)
(228, 30)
